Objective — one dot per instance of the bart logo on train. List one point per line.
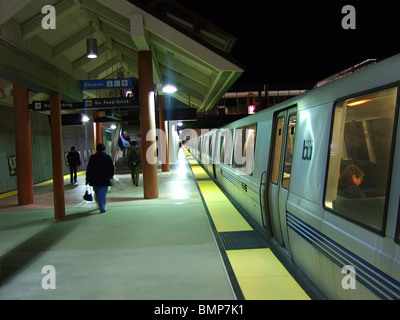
(307, 150)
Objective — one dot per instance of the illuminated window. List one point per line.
(360, 157)
(226, 146)
(244, 148)
(287, 169)
(280, 125)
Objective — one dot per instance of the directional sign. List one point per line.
(45, 105)
(110, 103)
(107, 84)
(100, 103)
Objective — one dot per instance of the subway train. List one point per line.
(319, 174)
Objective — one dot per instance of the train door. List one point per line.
(280, 171)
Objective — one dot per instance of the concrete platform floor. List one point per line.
(139, 249)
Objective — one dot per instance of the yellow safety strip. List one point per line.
(261, 276)
(41, 184)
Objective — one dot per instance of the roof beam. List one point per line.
(9, 8)
(105, 12)
(193, 74)
(71, 41)
(137, 32)
(110, 63)
(117, 35)
(21, 66)
(34, 26)
(178, 77)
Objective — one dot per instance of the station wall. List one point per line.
(79, 136)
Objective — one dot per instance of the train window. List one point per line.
(238, 149)
(226, 146)
(222, 148)
(280, 125)
(287, 169)
(249, 146)
(360, 157)
(244, 148)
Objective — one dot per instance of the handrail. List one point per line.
(114, 144)
(260, 197)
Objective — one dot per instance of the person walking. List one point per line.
(134, 160)
(100, 171)
(124, 142)
(74, 160)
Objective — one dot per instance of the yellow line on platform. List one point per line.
(262, 277)
(260, 274)
(41, 184)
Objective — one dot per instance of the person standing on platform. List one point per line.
(134, 160)
(74, 160)
(124, 143)
(100, 171)
(139, 142)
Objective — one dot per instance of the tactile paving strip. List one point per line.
(239, 240)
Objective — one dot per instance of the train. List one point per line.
(318, 174)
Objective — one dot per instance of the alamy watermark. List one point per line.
(349, 20)
(49, 280)
(49, 20)
(349, 280)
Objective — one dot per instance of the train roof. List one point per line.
(378, 75)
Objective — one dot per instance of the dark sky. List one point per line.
(296, 43)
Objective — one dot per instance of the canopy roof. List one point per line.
(187, 50)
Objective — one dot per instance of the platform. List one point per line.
(181, 246)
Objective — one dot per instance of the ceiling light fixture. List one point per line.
(91, 45)
(169, 88)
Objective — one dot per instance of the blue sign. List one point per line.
(107, 84)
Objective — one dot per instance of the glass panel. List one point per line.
(287, 169)
(360, 154)
(226, 146)
(249, 148)
(238, 149)
(277, 149)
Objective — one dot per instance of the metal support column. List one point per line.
(23, 145)
(147, 124)
(57, 156)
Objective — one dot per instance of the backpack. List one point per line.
(134, 160)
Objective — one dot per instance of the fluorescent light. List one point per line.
(169, 88)
(113, 127)
(356, 103)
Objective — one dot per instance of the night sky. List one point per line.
(294, 44)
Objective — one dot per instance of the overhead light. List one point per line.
(91, 45)
(357, 103)
(85, 118)
(169, 88)
(113, 127)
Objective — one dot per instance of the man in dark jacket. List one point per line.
(74, 160)
(100, 171)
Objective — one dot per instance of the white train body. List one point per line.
(291, 187)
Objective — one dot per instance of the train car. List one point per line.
(319, 173)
